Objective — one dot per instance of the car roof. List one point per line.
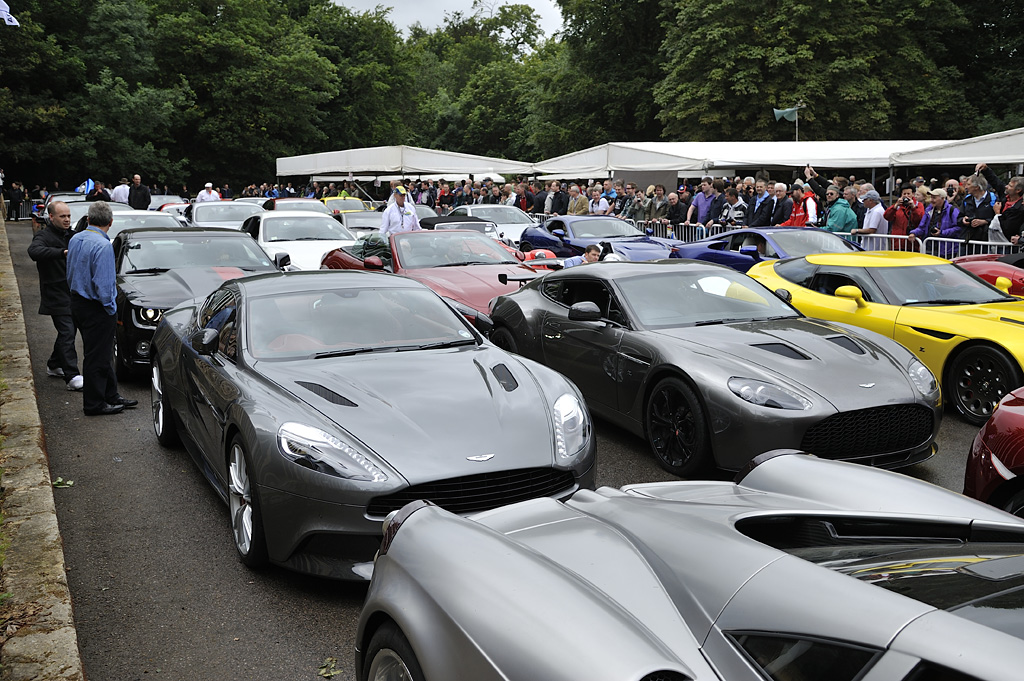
(270, 215)
(273, 283)
(875, 259)
(157, 231)
(625, 270)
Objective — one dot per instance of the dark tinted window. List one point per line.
(828, 279)
(552, 290)
(803, 659)
(932, 672)
(798, 271)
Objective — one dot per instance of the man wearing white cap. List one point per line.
(399, 216)
(874, 218)
(208, 194)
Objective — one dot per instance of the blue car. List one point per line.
(740, 249)
(570, 235)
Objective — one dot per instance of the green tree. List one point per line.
(992, 52)
(863, 68)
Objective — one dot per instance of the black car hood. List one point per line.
(425, 412)
(805, 352)
(167, 289)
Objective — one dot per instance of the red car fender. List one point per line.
(990, 270)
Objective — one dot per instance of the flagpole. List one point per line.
(798, 125)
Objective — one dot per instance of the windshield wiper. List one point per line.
(707, 322)
(315, 238)
(947, 301)
(353, 351)
(475, 262)
(439, 344)
(148, 270)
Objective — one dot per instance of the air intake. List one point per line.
(327, 394)
(782, 349)
(846, 343)
(505, 378)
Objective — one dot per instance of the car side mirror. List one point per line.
(373, 262)
(750, 251)
(585, 312)
(1003, 284)
(204, 341)
(560, 233)
(851, 293)
(784, 295)
(282, 260)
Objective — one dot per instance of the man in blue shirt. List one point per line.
(591, 254)
(93, 286)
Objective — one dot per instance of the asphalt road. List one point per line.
(157, 588)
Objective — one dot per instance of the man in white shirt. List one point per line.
(874, 218)
(119, 194)
(399, 216)
(208, 194)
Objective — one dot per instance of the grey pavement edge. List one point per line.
(38, 635)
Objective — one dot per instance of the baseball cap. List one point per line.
(209, 185)
(873, 195)
(400, 190)
(938, 191)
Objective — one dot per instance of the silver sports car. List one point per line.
(709, 365)
(804, 569)
(318, 402)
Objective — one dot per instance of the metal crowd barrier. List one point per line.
(945, 247)
(886, 242)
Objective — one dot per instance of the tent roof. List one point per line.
(700, 156)
(999, 147)
(397, 159)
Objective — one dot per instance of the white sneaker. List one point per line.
(76, 383)
(55, 372)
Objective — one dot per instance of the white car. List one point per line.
(305, 236)
(510, 220)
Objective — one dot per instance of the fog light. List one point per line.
(142, 349)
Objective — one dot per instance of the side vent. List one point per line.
(847, 343)
(941, 335)
(782, 349)
(327, 394)
(505, 377)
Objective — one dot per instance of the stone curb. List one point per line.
(36, 626)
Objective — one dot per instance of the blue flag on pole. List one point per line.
(788, 114)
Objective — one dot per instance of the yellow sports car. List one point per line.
(344, 204)
(967, 332)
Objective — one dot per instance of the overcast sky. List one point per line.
(407, 12)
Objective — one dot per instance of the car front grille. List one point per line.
(869, 432)
(479, 492)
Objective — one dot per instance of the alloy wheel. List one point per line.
(240, 498)
(388, 665)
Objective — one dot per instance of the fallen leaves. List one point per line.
(329, 669)
(61, 482)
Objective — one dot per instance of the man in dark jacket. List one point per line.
(1011, 220)
(978, 209)
(539, 197)
(138, 194)
(783, 204)
(49, 249)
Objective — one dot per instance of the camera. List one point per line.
(950, 191)
(905, 200)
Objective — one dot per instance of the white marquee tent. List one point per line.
(403, 160)
(999, 147)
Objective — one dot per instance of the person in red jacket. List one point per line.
(903, 216)
(805, 208)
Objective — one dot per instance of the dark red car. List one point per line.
(461, 266)
(995, 467)
(992, 266)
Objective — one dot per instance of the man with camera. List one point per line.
(734, 211)
(904, 215)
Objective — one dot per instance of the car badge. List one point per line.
(867, 385)
(480, 457)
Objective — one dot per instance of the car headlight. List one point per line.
(572, 427)
(149, 316)
(923, 379)
(320, 451)
(768, 394)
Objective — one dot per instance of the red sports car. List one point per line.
(995, 467)
(992, 266)
(461, 266)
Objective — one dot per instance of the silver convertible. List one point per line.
(803, 569)
(710, 366)
(318, 402)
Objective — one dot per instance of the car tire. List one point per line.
(390, 657)
(1015, 504)
(525, 246)
(676, 429)
(978, 379)
(120, 369)
(163, 421)
(504, 339)
(244, 504)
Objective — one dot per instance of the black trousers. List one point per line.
(64, 355)
(97, 328)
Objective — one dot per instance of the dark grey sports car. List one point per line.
(802, 570)
(708, 364)
(318, 402)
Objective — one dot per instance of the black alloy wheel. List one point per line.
(504, 339)
(676, 428)
(979, 377)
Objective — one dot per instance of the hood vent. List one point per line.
(782, 349)
(846, 343)
(327, 394)
(505, 377)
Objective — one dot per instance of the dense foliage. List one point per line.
(190, 90)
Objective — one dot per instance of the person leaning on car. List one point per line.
(49, 250)
(592, 253)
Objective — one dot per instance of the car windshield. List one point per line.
(801, 242)
(223, 211)
(345, 204)
(425, 212)
(365, 219)
(603, 227)
(692, 298)
(192, 250)
(502, 215)
(135, 221)
(305, 228)
(79, 209)
(157, 200)
(447, 249)
(939, 284)
(980, 582)
(338, 322)
(482, 227)
(311, 205)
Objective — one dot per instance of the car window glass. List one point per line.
(220, 315)
(552, 225)
(753, 239)
(927, 671)
(552, 290)
(784, 658)
(581, 290)
(827, 280)
(215, 302)
(797, 270)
